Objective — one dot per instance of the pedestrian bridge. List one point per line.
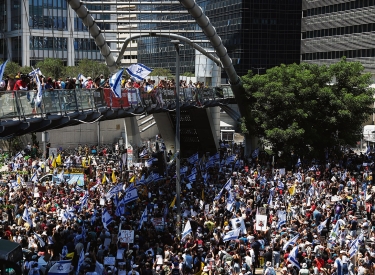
(63, 108)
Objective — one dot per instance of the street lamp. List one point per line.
(258, 69)
(177, 45)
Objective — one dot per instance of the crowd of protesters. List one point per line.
(240, 214)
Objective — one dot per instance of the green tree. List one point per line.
(92, 68)
(26, 70)
(51, 67)
(11, 68)
(162, 72)
(188, 74)
(301, 107)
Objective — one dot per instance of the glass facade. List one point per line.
(257, 34)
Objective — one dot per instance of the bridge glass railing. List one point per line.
(18, 104)
(8, 105)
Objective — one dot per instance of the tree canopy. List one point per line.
(307, 106)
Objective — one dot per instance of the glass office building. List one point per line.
(333, 29)
(33, 30)
(258, 34)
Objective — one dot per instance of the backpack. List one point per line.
(246, 266)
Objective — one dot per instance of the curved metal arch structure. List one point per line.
(170, 35)
(95, 32)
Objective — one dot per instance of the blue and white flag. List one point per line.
(183, 170)
(144, 153)
(255, 154)
(138, 71)
(115, 83)
(149, 162)
(298, 162)
(192, 177)
(83, 201)
(106, 218)
(322, 225)
(335, 231)
(231, 235)
(93, 218)
(149, 179)
(35, 72)
(65, 216)
(230, 159)
(215, 158)
(282, 219)
(39, 239)
(368, 151)
(228, 185)
(2, 69)
(230, 201)
(299, 177)
(291, 242)
(60, 268)
(64, 251)
(84, 80)
(131, 195)
(81, 260)
(280, 185)
(293, 257)
(143, 219)
(114, 190)
(18, 156)
(210, 163)
(269, 202)
(218, 196)
(61, 175)
(34, 178)
(187, 230)
(26, 217)
(39, 94)
(193, 159)
(157, 177)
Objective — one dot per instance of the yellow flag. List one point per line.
(104, 179)
(132, 179)
(18, 179)
(54, 164)
(84, 162)
(292, 190)
(58, 159)
(114, 177)
(173, 202)
(70, 255)
(203, 194)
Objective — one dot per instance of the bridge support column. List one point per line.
(132, 130)
(213, 114)
(166, 129)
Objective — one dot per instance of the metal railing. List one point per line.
(22, 104)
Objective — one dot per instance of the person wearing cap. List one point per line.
(304, 270)
(134, 270)
(269, 269)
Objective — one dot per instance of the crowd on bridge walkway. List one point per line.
(240, 215)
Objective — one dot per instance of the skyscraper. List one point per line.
(333, 29)
(258, 34)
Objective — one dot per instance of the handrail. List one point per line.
(21, 104)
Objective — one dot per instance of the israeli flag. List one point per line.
(187, 230)
(35, 73)
(2, 69)
(230, 159)
(18, 156)
(269, 202)
(232, 235)
(280, 185)
(65, 216)
(115, 83)
(93, 218)
(61, 176)
(215, 157)
(84, 80)
(39, 94)
(149, 162)
(106, 218)
(255, 154)
(322, 225)
(298, 162)
(64, 251)
(230, 201)
(138, 71)
(26, 217)
(42, 243)
(192, 177)
(299, 177)
(143, 153)
(114, 190)
(368, 151)
(210, 163)
(83, 201)
(34, 178)
(293, 256)
(143, 218)
(183, 170)
(149, 179)
(193, 159)
(81, 260)
(157, 177)
(60, 268)
(282, 219)
(291, 242)
(218, 196)
(228, 185)
(131, 195)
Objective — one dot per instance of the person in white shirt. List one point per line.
(133, 271)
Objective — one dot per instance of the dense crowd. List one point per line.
(239, 214)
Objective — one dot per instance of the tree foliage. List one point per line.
(307, 106)
(161, 72)
(11, 68)
(92, 68)
(51, 67)
(188, 74)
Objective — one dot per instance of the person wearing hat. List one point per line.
(269, 269)
(133, 271)
(304, 270)
(121, 268)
